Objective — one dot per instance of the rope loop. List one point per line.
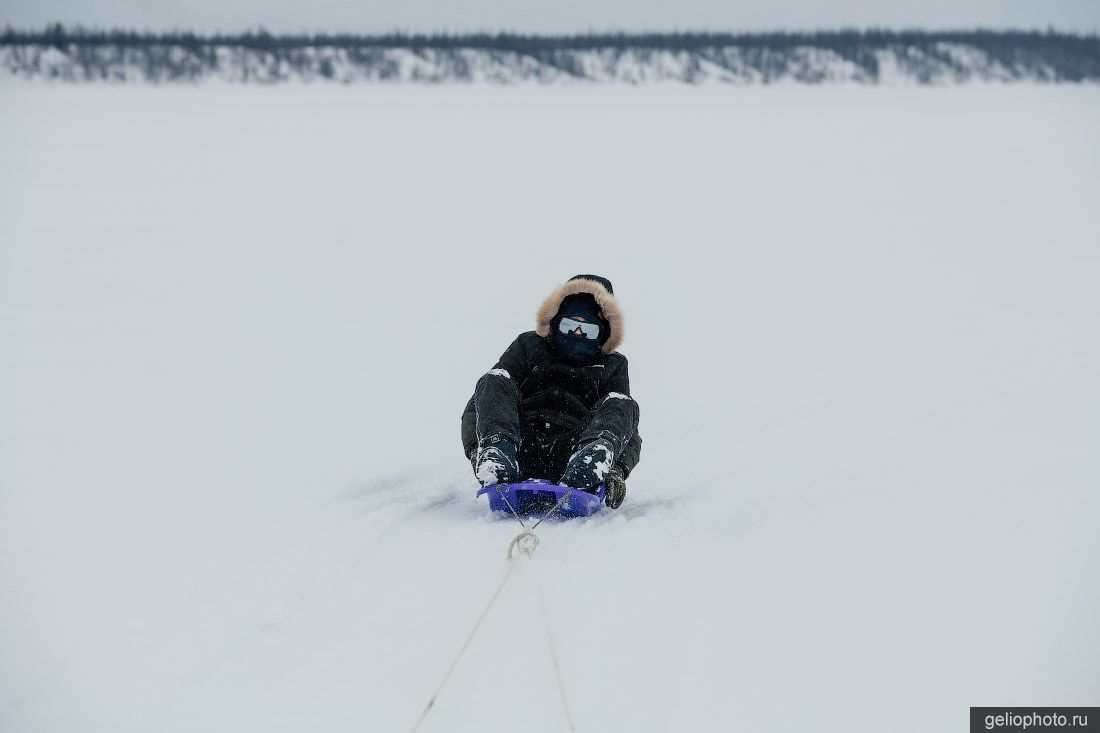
(526, 542)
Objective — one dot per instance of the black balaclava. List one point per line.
(574, 349)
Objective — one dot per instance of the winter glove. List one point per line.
(616, 487)
(496, 461)
(589, 465)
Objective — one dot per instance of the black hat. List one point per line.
(595, 278)
(581, 304)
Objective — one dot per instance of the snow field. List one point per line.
(239, 326)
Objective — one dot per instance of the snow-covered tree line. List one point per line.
(868, 57)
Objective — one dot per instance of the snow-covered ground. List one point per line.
(238, 327)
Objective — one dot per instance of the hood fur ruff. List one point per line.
(604, 299)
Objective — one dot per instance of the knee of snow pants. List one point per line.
(496, 403)
(615, 419)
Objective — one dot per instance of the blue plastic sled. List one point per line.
(538, 496)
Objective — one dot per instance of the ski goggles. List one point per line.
(590, 330)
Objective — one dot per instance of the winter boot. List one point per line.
(497, 461)
(589, 465)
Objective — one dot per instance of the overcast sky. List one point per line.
(551, 16)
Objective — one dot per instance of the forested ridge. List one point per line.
(863, 56)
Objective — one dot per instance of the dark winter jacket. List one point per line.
(548, 406)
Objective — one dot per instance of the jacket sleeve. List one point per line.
(631, 450)
(494, 408)
(619, 415)
(631, 454)
(469, 428)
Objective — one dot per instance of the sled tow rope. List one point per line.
(523, 544)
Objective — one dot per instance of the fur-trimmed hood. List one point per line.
(604, 298)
